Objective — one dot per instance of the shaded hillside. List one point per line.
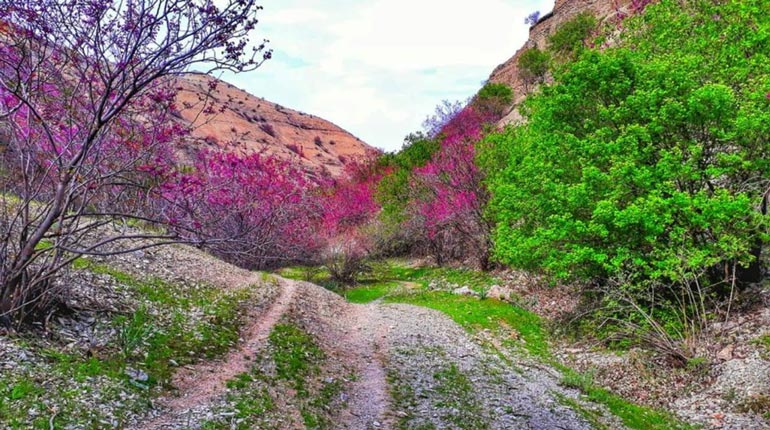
(229, 118)
(564, 10)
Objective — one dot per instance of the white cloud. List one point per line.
(377, 68)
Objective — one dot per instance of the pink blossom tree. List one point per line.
(256, 211)
(449, 196)
(86, 87)
(349, 211)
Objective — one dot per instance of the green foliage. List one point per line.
(134, 331)
(494, 99)
(416, 151)
(533, 65)
(647, 163)
(634, 417)
(570, 38)
(23, 389)
(495, 91)
(393, 191)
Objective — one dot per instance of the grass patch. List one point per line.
(296, 356)
(368, 293)
(405, 400)
(634, 417)
(386, 276)
(250, 403)
(763, 341)
(475, 314)
(292, 364)
(458, 401)
(317, 411)
(174, 324)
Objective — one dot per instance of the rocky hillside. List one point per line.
(563, 11)
(229, 118)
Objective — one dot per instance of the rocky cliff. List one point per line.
(224, 117)
(563, 11)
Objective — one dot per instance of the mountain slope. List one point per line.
(227, 118)
(563, 11)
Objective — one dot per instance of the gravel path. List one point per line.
(407, 368)
(456, 384)
(415, 368)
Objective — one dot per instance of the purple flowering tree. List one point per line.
(86, 95)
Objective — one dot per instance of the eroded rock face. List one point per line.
(227, 118)
(563, 11)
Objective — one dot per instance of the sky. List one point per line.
(378, 68)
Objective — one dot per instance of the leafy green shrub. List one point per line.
(570, 38)
(642, 167)
(533, 65)
(393, 190)
(494, 99)
(134, 332)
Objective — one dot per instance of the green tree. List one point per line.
(572, 36)
(647, 161)
(494, 99)
(533, 66)
(393, 191)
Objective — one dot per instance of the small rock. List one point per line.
(137, 375)
(726, 353)
(499, 293)
(464, 291)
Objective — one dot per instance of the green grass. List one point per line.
(456, 395)
(250, 403)
(163, 331)
(475, 314)
(405, 399)
(368, 293)
(292, 365)
(386, 276)
(634, 417)
(763, 341)
(296, 356)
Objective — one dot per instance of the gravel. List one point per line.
(423, 343)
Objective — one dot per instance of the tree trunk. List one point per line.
(753, 273)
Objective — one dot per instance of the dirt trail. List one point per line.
(199, 384)
(371, 346)
(369, 402)
(352, 334)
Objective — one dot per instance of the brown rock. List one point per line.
(726, 353)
